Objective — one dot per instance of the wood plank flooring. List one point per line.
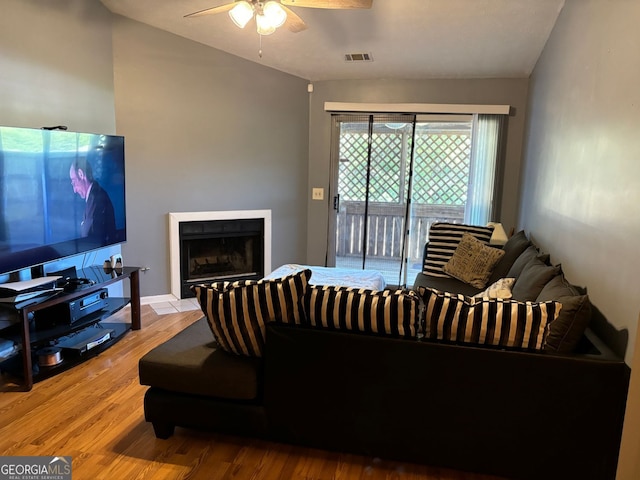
(94, 413)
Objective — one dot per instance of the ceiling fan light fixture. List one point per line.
(241, 13)
(274, 13)
(264, 26)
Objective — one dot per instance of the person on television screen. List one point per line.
(99, 221)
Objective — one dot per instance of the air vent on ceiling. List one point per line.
(358, 57)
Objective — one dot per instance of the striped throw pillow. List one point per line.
(484, 321)
(443, 241)
(387, 312)
(238, 312)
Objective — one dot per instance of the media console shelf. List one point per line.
(29, 337)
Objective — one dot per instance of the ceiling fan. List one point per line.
(270, 15)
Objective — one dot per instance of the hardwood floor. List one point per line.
(94, 413)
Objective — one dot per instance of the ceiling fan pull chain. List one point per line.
(260, 50)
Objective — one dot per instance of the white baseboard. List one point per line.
(158, 299)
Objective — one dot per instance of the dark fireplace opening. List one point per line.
(220, 250)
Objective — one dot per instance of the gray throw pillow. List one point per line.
(566, 330)
(514, 247)
(532, 279)
(525, 257)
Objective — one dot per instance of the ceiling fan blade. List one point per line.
(294, 23)
(333, 4)
(211, 11)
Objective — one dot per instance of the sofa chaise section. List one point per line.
(195, 384)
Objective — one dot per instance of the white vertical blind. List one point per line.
(481, 198)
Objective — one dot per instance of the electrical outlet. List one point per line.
(317, 193)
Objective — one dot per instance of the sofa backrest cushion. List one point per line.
(567, 330)
(483, 321)
(525, 257)
(386, 312)
(514, 247)
(532, 279)
(443, 241)
(238, 311)
(472, 262)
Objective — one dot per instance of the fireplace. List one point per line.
(218, 246)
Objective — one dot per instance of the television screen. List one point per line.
(61, 194)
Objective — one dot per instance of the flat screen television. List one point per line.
(61, 194)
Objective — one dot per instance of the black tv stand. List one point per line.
(30, 338)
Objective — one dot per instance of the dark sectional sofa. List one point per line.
(516, 413)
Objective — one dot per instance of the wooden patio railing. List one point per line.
(386, 226)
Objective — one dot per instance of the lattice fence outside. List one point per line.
(387, 170)
(440, 182)
(441, 172)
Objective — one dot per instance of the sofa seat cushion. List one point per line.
(445, 284)
(192, 362)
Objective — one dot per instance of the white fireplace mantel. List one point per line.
(174, 237)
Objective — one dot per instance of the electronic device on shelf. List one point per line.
(72, 284)
(69, 281)
(13, 293)
(35, 174)
(84, 340)
(67, 313)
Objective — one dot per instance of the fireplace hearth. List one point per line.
(208, 247)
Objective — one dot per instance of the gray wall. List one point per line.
(56, 65)
(581, 190)
(206, 131)
(581, 187)
(490, 91)
(56, 68)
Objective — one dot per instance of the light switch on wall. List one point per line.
(317, 193)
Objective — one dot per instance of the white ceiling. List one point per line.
(407, 38)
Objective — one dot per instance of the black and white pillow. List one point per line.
(238, 312)
(388, 312)
(484, 321)
(443, 241)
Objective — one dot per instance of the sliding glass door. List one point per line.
(371, 190)
(394, 175)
